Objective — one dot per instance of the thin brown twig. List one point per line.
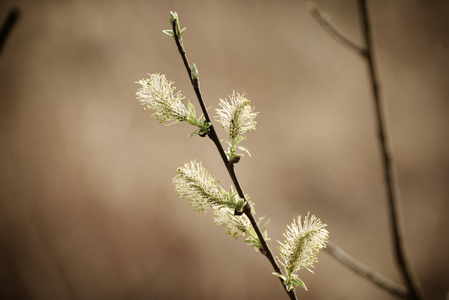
(336, 33)
(362, 270)
(389, 178)
(229, 165)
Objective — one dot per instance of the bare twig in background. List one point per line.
(229, 164)
(413, 290)
(324, 20)
(7, 26)
(364, 271)
(392, 195)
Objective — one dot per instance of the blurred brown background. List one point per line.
(87, 209)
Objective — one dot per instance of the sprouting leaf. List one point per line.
(196, 132)
(299, 282)
(244, 149)
(191, 109)
(194, 72)
(169, 32)
(279, 275)
(182, 32)
(173, 16)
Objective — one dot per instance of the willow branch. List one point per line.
(336, 33)
(365, 272)
(7, 26)
(212, 133)
(229, 165)
(389, 179)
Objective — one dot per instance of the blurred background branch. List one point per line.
(325, 21)
(365, 272)
(414, 291)
(7, 26)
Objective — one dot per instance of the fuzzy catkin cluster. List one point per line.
(235, 225)
(236, 115)
(194, 183)
(303, 242)
(158, 95)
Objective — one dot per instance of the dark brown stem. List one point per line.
(392, 195)
(229, 165)
(8, 25)
(267, 251)
(362, 270)
(212, 133)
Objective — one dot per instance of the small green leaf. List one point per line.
(224, 141)
(182, 32)
(173, 16)
(253, 234)
(196, 132)
(237, 139)
(298, 282)
(244, 149)
(168, 32)
(194, 72)
(191, 109)
(279, 275)
(266, 224)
